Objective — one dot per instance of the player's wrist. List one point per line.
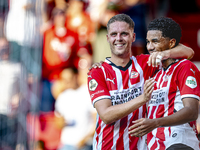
(144, 99)
(166, 54)
(159, 122)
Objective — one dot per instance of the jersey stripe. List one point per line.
(120, 144)
(116, 133)
(106, 134)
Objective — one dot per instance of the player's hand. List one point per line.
(142, 126)
(96, 65)
(156, 58)
(148, 89)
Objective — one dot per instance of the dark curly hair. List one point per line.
(168, 27)
(122, 18)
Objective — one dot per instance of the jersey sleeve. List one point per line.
(148, 71)
(97, 87)
(188, 79)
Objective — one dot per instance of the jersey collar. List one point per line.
(119, 67)
(170, 64)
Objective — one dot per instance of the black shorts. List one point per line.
(179, 147)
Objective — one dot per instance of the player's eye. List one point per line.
(155, 41)
(113, 34)
(124, 34)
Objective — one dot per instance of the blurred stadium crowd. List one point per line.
(46, 49)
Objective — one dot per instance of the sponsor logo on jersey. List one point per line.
(89, 76)
(120, 97)
(93, 85)
(158, 97)
(98, 92)
(191, 82)
(134, 74)
(111, 80)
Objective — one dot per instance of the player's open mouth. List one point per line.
(119, 45)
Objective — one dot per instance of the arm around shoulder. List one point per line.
(181, 51)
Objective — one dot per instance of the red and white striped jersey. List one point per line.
(120, 85)
(180, 80)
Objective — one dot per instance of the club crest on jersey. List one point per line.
(166, 78)
(191, 82)
(134, 74)
(93, 85)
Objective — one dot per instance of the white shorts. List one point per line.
(183, 136)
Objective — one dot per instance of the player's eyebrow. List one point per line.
(124, 32)
(154, 39)
(113, 32)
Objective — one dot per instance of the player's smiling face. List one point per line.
(156, 42)
(120, 38)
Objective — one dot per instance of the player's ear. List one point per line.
(134, 36)
(172, 43)
(107, 36)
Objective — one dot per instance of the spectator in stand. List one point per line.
(4, 8)
(47, 7)
(79, 129)
(20, 19)
(59, 51)
(10, 75)
(78, 20)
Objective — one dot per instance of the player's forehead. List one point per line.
(154, 34)
(119, 26)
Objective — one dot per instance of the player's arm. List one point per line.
(180, 51)
(109, 113)
(187, 114)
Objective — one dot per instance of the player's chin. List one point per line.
(150, 52)
(120, 52)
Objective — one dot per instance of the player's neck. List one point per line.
(167, 62)
(120, 61)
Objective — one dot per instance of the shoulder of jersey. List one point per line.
(97, 69)
(93, 72)
(142, 57)
(186, 63)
